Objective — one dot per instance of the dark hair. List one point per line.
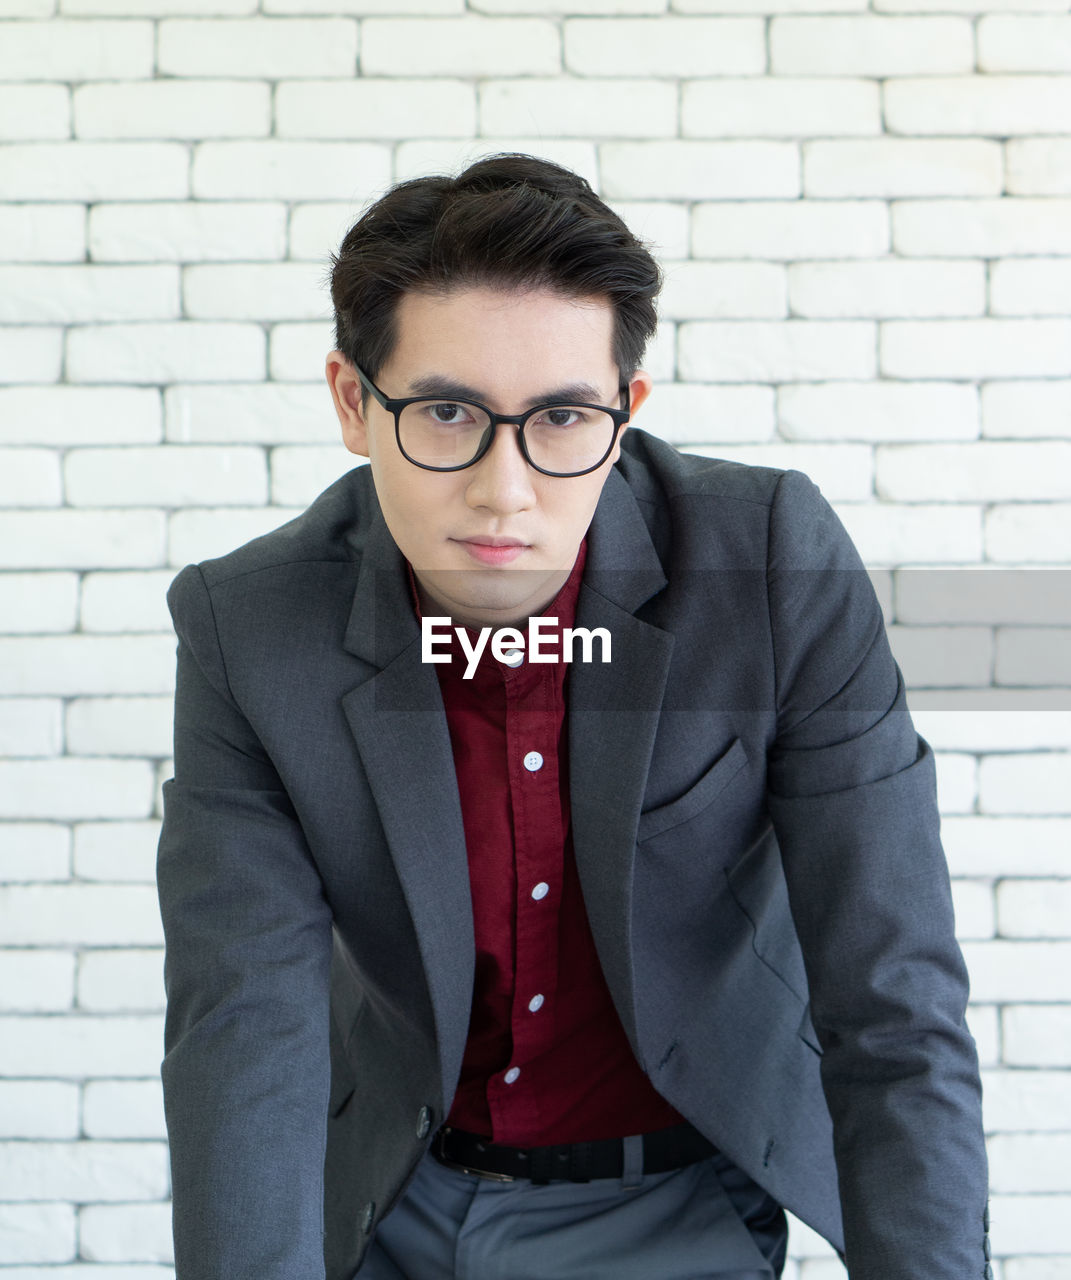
(508, 221)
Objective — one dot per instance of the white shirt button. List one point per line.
(541, 890)
(535, 1004)
(533, 761)
(511, 1075)
(513, 657)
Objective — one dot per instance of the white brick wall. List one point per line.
(864, 211)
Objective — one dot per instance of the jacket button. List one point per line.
(987, 1248)
(985, 1217)
(423, 1124)
(369, 1216)
(987, 1274)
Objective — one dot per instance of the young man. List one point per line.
(511, 968)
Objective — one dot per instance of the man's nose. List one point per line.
(502, 479)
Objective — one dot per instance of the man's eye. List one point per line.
(563, 417)
(447, 413)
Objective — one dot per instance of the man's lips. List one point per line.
(493, 551)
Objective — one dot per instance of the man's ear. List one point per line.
(346, 392)
(639, 388)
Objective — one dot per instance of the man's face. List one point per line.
(490, 545)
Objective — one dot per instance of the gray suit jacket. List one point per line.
(756, 835)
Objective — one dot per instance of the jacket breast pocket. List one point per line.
(696, 798)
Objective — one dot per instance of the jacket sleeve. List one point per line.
(248, 938)
(853, 799)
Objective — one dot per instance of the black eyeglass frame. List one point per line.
(395, 406)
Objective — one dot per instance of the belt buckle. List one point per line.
(443, 1159)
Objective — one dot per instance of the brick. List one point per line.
(982, 228)
(669, 46)
(1036, 1268)
(75, 1047)
(29, 8)
(1036, 1035)
(870, 46)
(36, 981)
(878, 411)
(81, 539)
(31, 727)
(91, 1272)
(116, 851)
(1034, 655)
(1025, 534)
(779, 107)
(92, 915)
(943, 656)
(94, 171)
(118, 602)
(128, 1232)
(888, 287)
(317, 228)
(986, 846)
(287, 170)
(36, 1233)
(973, 904)
(660, 358)
(166, 476)
(787, 231)
(119, 726)
(75, 789)
(983, 471)
(842, 472)
(126, 981)
(659, 223)
(30, 355)
(186, 350)
(579, 108)
(300, 472)
(1019, 42)
(957, 783)
(1025, 1162)
(805, 1242)
(36, 602)
(124, 1109)
(1034, 908)
(1038, 166)
(1027, 409)
(990, 105)
(83, 1170)
(269, 48)
(387, 108)
(991, 596)
(79, 415)
(296, 353)
(790, 351)
(34, 111)
(201, 534)
(971, 349)
(985, 1030)
(82, 664)
(1025, 1100)
(42, 232)
(689, 414)
(76, 294)
(264, 414)
(902, 167)
(35, 851)
(423, 156)
(967, 6)
(187, 232)
(611, 8)
(1030, 1225)
(464, 46)
(38, 1109)
(687, 170)
(994, 730)
(743, 290)
(1030, 287)
(64, 49)
(1027, 783)
(266, 291)
(921, 534)
(159, 9)
(193, 109)
(767, 7)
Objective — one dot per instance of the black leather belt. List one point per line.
(663, 1150)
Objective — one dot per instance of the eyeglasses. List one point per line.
(442, 434)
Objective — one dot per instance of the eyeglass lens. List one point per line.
(450, 433)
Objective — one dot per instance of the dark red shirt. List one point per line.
(547, 1060)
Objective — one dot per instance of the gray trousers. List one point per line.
(702, 1222)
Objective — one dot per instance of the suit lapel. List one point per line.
(613, 716)
(396, 717)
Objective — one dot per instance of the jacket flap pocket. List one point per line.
(696, 798)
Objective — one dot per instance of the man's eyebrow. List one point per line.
(434, 384)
